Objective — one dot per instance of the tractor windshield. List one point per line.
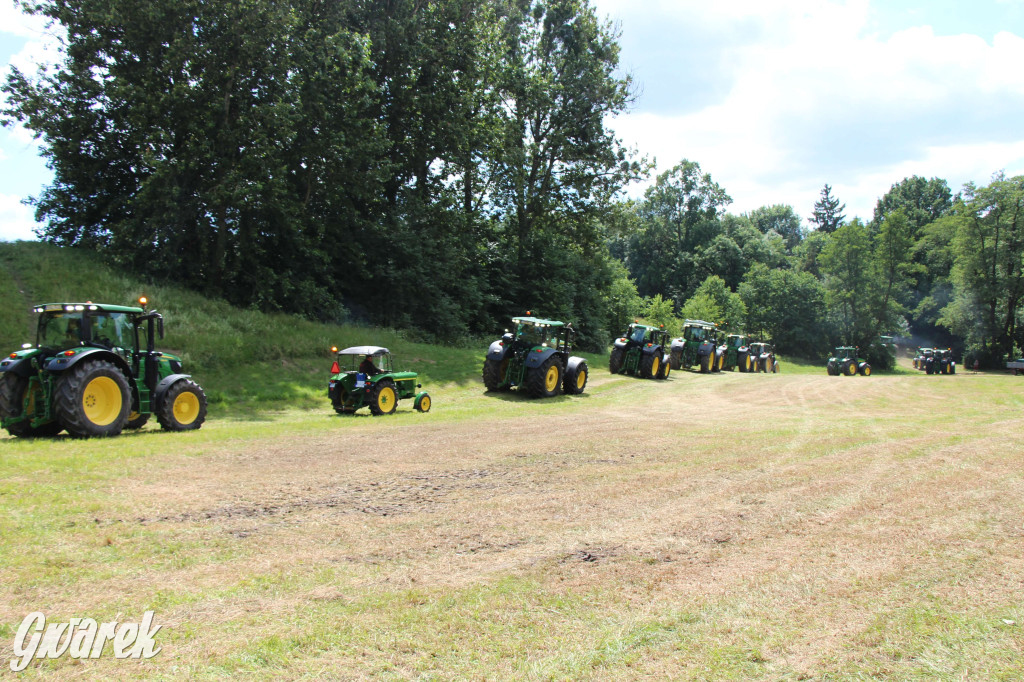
(60, 330)
(694, 333)
(531, 334)
(638, 334)
(113, 330)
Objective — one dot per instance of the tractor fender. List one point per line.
(678, 345)
(497, 350)
(620, 343)
(861, 365)
(22, 367)
(651, 350)
(706, 349)
(535, 359)
(165, 384)
(61, 362)
(573, 363)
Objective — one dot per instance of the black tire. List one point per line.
(831, 369)
(676, 360)
(541, 382)
(705, 364)
(136, 420)
(494, 374)
(666, 369)
(12, 398)
(576, 379)
(650, 366)
(743, 362)
(850, 369)
(383, 397)
(182, 407)
(775, 366)
(952, 369)
(615, 360)
(92, 399)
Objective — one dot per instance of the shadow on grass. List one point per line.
(517, 397)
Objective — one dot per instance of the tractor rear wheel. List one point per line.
(12, 400)
(576, 379)
(650, 365)
(92, 399)
(136, 420)
(544, 381)
(494, 374)
(383, 397)
(183, 407)
(615, 360)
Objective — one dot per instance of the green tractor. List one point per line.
(844, 361)
(89, 374)
(735, 353)
(365, 375)
(536, 357)
(762, 357)
(942, 362)
(924, 358)
(641, 351)
(697, 346)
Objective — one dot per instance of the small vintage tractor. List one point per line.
(762, 357)
(736, 354)
(365, 375)
(942, 362)
(643, 351)
(89, 374)
(844, 361)
(697, 346)
(536, 356)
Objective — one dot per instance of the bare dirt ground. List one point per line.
(809, 519)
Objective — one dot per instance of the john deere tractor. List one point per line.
(735, 353)
(643, 351)
(762, 357)
(942, 362)
(697, 346)
(89, 374)
(844, 361)
(536, 357)
(365, 375)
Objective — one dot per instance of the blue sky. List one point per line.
(773, 98)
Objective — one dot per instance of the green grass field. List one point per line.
(725, 526)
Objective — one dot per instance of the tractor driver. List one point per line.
(367, 367)
(73, 333)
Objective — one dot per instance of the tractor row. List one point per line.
(700, 346)
(935, 361)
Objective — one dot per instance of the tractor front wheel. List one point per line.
(183, 407)
(544, 381)
(650, 365)
(383, 398)
(576, 379)
(422, 403)
(93, 399)
(705, 364)
(12, 400)
(666, 369)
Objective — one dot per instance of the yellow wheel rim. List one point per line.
(424, 403)
(668, 369)
(655, 366)
(551, 380)
(867, 371)
(386, 398)
(852, 369)
(581, 379)
(101, 401)
(186, 407)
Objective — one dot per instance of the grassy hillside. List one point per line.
(244, 358)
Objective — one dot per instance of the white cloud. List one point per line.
(812, 95)
(16, 219)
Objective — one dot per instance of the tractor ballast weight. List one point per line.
(697, 346)
(536, 357)
(844, 361)
(89, 374)
(641, 351)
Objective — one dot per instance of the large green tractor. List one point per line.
(89, 374)
(697, 346)
(643, 351)
(844, 361)
(735, 353)
(536, 356)
(365, 375)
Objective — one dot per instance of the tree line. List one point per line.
(439, 165)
